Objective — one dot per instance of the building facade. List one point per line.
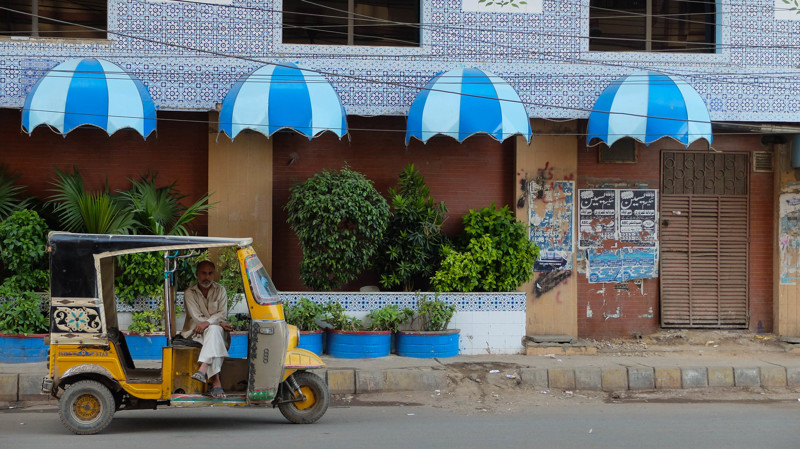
(718, 251)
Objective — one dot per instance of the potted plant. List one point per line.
(304, 315)
(347, 338)
(339, 218)
(430, 336)
(23, 275)
(23, 327)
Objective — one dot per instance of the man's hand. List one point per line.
(226, 326)
(200, 328)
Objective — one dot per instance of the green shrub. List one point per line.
(433, 314)
(389, 318)
(495, 254)
(20, 314)
(340, 220)
(336, 318)
(304, 314)
(412, 246)
(23, 251)
(142, 274)
(230, 274)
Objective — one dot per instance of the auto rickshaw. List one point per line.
(92, 373)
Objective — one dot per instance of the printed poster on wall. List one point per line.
(637, 216)
(597, 216)
(789, 238)
(621, 265)
(551, 220)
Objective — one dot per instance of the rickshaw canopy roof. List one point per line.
(74, 258)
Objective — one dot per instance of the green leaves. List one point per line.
(434, 314)
(304, 314)
(340, 220)
(389, 318)
(142, 274)
(495, 254)
(81, 211)
(414, 238)
(23, 251)
(158, 210)
(10, 194)
(21, 313)
(335, 317)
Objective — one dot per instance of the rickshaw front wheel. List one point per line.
(317, 399)
(86, 407)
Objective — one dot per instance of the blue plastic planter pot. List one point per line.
(424, 345)
(238, 349)
(311, 341)
(23, 348)
(359, 344)
(145, 346)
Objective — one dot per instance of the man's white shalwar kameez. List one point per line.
(213, 309)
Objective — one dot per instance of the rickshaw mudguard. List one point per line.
(301, 359)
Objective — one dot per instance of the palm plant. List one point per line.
(158, 210)
(82, 211)
(10, 194)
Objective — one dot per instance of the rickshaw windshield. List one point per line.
(264, 291)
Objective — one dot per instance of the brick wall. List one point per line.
(178, 151)
(465, 176)
(619, 310)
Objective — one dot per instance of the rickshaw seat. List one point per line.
(118, 339)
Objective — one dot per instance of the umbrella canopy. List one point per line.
(281, 96)
(463, 102)
(89, 92)
(648, 106)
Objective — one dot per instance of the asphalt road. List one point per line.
(750, 425)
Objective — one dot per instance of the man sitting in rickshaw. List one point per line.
(206, 311)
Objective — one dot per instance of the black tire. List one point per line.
(316, 404)
(86, 407)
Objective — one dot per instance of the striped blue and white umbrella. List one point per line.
(467, 101)
(279, 96)
(648, 106)
(89, 92)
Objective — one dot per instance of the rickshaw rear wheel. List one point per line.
(86, 407)
(316, 403)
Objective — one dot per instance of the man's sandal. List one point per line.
(217, 393)
(200, 377)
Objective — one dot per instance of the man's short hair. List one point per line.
(206, 262)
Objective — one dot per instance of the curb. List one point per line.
(17, 388)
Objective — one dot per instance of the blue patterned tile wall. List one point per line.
(365, 302)
(190, 53)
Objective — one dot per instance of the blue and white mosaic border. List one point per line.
(368, 301)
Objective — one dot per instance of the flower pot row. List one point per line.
(370, 344)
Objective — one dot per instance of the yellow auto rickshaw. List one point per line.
(92, 373)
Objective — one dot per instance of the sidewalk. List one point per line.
(749, 361)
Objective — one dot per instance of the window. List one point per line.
(32, 20)
(682, 26)
(623, 151)
(352, 22)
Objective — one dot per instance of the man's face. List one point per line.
(205, 275)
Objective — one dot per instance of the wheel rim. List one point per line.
(87, 408)
(311, 399)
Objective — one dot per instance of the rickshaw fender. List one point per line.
(89, 371)
(301, 359)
